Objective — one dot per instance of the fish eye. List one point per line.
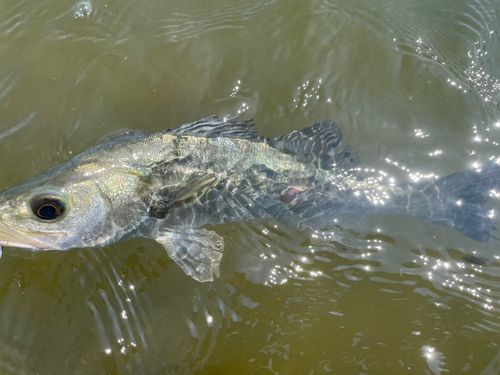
(48, 207)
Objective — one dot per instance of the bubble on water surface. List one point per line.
(83, 9)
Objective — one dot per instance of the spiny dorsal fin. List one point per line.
(213, 126)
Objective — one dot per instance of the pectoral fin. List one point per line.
(173, 195)
(197, 251)
(194, 186)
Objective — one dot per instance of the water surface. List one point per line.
(414, 86)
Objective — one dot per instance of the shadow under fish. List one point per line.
(168, 185)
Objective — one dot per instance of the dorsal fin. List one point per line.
(321, 142)
(213, 126)
(323, 137)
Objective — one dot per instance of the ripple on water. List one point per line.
(287, 301)
(226, 15)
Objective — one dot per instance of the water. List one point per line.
(414, 86)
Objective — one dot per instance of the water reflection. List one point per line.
(414, 86)
(124, 302)
(114, 313)
(83, 9)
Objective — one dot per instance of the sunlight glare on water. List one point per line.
(83, 9)
(415, 89)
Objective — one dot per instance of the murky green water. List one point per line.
(413, 84)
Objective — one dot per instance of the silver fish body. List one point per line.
(167, 185)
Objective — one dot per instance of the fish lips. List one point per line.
(12, 237)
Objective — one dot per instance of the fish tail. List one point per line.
(459, 200)
(462, 202)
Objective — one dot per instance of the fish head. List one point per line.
(57, 210)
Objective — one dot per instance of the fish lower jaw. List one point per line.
(33, 242)
(17, 245)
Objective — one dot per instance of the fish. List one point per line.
(169, 186)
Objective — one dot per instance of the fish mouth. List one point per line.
(12, 237)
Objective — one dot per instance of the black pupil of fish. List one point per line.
(47, 211)
(48, 208)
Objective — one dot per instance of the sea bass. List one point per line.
(168, 185)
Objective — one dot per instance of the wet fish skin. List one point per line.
(100, 202)
(107, 191)
(110, 190)
(167, 185)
